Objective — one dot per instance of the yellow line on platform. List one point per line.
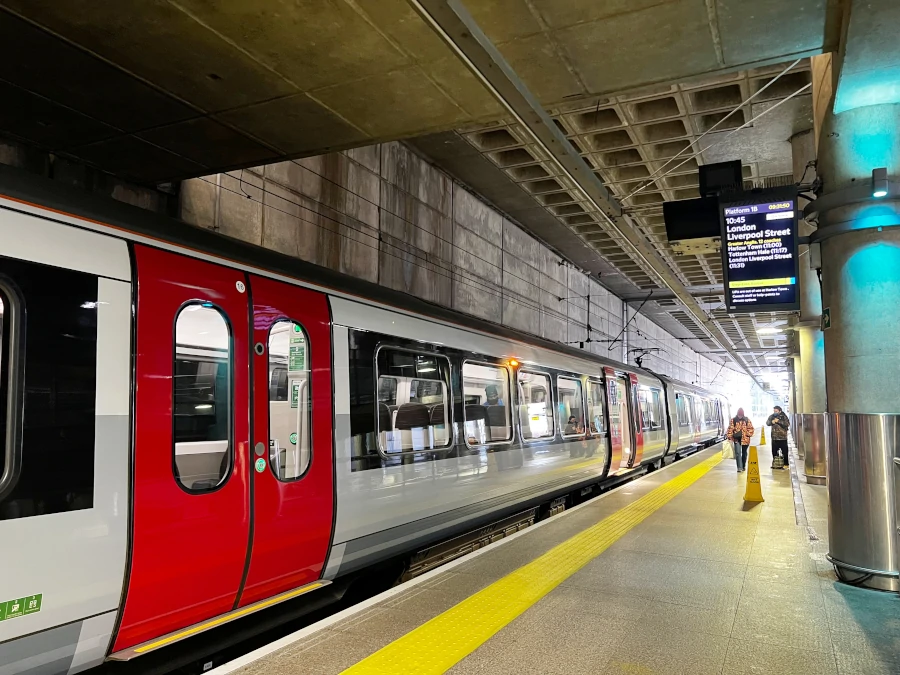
(439, 644)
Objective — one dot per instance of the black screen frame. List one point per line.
(761, 197)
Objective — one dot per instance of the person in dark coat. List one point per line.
(780, 425)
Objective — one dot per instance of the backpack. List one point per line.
(738, 434)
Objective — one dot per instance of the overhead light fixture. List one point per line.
(767, 331)
(879, 183)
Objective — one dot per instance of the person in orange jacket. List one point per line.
(740, 431)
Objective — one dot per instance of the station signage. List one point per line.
(759, 251)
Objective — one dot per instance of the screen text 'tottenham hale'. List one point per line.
(760, 242)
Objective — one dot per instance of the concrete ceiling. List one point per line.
(170, 89)
(166, 89)
(629, 140)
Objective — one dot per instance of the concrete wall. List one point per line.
(383, 214)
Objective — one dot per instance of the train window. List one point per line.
(490, 421)
(413, 406)
(8, 463)
(571, 407)
(644, 401)
(682, 407)
(290, 401)
(10, 455)
(651, 408)
(596, 418)
(202, 397)
(657, 408)
(535, 405)
(48, 390)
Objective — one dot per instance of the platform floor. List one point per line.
(671, 574)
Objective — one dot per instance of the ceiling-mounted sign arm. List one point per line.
(455, 25)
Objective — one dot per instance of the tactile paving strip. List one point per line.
(437, 645)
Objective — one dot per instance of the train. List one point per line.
(197, 430)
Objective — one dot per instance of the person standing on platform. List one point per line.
(740, 431)
(780, 425)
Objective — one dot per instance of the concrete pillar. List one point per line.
(860, 240)
(811, 341)
(798, 380)
(860, 248)
(812, 364)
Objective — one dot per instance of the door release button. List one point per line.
(260, 449)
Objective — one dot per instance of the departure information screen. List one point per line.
(759, 254)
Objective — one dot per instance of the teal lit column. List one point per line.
(809, 327)
(809, 420)
(859, 237)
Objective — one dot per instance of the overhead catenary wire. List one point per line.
(442, 264)
(379, 237)
(454, 275)
(740, 105)
(721, 140)
(627, 323)
(400, 217)
(406, 254)
(429, 232)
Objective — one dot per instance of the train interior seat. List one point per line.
(498, 424)
(413, 421)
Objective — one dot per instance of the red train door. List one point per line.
(638, 422)
(615, 420)
(191, 500)
(292, 459)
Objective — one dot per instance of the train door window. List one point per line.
(571, 407)
(596, 417)
(682, 405)
(413, 407)
(710, 413)
(202, 398)
(645, 404)
(290, 401)
(656, 409)
(491, 421)
(535, 405)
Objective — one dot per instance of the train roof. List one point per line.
(103, 212)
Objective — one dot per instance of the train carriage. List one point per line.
(196, 429)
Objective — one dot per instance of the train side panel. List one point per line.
(386, 509)
(64, 508)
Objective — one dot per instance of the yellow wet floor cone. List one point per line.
(762, 436)
(753, 492)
